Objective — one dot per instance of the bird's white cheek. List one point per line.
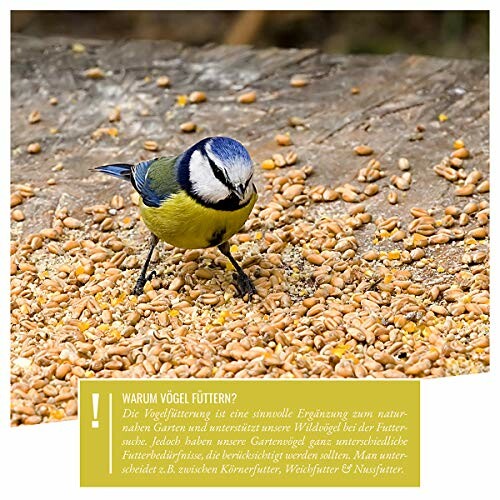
(203, 181)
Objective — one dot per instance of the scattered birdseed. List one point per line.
(34, 148)
(197, 97)
(188, 127)
(78, 48)
(299, 81)
(104, 131)
(150, 146)
(283, 140)
(392, 197)
(182, 100)
(363, 150)
(34, 117)
(163, 81)
(247, 97)
(95, 73)
(403, 164)
(461, 153)
(115, 115)
(295, 121)
(268, 164)
(18, 215)
(15, 199)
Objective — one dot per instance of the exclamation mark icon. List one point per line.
(95, 408)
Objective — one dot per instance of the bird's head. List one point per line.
(218, 172)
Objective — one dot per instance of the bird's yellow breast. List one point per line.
(184, 223)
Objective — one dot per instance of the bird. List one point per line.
(197, 199)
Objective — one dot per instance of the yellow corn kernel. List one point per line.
(339, 350)
(57, 414)
(182, 100)
(268, 164)
(83, 325)
(410, 327)
(116, 334)
(394, 254)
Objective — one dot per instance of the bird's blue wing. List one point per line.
(139, 174)
(155, 180)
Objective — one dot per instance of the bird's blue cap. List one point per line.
(226, 148)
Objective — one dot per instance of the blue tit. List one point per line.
(197, 199)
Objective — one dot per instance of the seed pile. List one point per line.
(325, 306)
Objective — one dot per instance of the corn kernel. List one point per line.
(182, 100)
(268, 165)
(116, 334)
(394, 254)
(57, 414)
(388, 278)
(339, 350)
(83, 325)
(410, 327)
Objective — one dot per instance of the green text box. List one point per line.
(249, 433)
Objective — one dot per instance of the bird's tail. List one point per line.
(120, 170)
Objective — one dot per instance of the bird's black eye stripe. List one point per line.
(247, 183)
(219, 174)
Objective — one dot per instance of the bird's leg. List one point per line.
(243, 283)
(139, 286)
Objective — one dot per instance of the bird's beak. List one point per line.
(240, 191)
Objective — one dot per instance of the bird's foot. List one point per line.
(141, 282)
(244, 286)
(139, 286)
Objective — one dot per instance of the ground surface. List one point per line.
(371, 265)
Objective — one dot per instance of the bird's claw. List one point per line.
(244, 286)
(139, 286)
(141, 282)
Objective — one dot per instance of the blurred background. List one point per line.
(461, 34)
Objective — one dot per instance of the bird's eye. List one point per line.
(219, 174)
